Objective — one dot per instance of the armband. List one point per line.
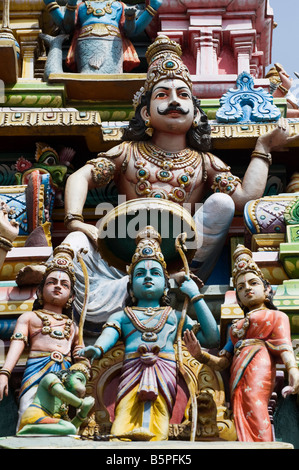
(225, 183)
(52, 6)
(151, 10)
(112, 325)
(103, 171)
(19, 337)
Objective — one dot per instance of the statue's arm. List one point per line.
(134, 27)
(208, 334)
(66, 21)
(220, 362)
(111, 333)
(97, 172)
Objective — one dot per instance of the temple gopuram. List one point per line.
(82, 90)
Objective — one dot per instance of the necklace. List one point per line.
(149, 333)
(241, 332)
(47, 330)
(98, 11)
(187, 159)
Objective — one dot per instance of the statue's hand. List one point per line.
(192, 343)
(156, 4)
(86, 406)
(189, 287)
(90, 230)
(91, 352)
(9, 229)
(3, 386)
(293, 386)
(278, 139)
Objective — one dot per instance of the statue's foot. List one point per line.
(139, 434)
(30, 275)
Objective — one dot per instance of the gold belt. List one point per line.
(100, 30)
(242, 343)
(56, 356)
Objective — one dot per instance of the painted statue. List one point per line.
(48, 413)
(52, 335)
(9, 230)
(164, 155)
(100, 35)
(256, 344)
(149, 327)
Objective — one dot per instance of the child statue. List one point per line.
(148, 326)
(49, 329)
(48, 412)
(257, 343)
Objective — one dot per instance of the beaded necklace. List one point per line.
(149, 333)
(241, 332)
(187, 159)
(48, 330)
(98, 11)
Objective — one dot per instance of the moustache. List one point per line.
(173, 108)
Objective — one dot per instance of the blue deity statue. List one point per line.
(101, 32)
(149, 327)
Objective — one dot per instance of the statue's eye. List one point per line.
(50, 161)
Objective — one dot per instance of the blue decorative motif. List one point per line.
(247, 104)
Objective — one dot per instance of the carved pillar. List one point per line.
(242, 43)
(28, 40)
(205, 45)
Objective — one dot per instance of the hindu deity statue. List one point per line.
(49, 329)
(256, 344)
(48, 413)
(149, 327)
(101, 32)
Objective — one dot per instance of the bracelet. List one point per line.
(100, 348)
(69, 217)
(112, 325)
(80, 417)
(5, 372)
(19, 337)
(195, 298)
(151, 10)
(204, 357)
(264, 156)
(52, 6)
(283, 89)
(5, 244)
(290, 365)
(71, 7)
(54, 382)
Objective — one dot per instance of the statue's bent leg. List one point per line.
(212, 220)
(107, 285)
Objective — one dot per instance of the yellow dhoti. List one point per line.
(132, 413)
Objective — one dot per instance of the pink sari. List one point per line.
(253, 372)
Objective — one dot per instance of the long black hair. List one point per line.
(198, 138)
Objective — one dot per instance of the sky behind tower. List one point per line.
(286, 35)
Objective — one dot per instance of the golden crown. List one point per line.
(243, 263)
(62, 261)
(148, 243)
(164, 61)
(82, 367)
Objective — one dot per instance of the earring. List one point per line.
(132, 296)
(69, 303)
(40, 299)
(149, 131)
(195, 123)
